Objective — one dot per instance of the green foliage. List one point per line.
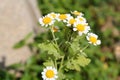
(75, 46)
(76, 59)
(50, 48)
(79, 60)
(48, 63)
(23, 42)
(4, 75)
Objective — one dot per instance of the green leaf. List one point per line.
(61, 76)
(32, 60)
(48, 63)
(74, 46)
(50, 48)
(76, 63)
(15, 66)
(28, 35)
(22, 42)
(36, 68)
(19, 44)
(26, 76)
(82, 60)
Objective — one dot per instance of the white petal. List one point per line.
(47, 79)
(56, 76)
(74, 29)
(85, 31)
(95, 44)
(87, 38)
(43, 73)
(68, 25)
(64, 21)
(88, 27)
(52, 79)
(98, 42)
(90, 42)
(40, 19)
(80, 33)
(44, 70)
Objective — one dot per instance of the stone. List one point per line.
(17, 19)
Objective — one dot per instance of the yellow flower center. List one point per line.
(72, 21)
(93, 39)
(53, 15)
(50, 74)
(47, 20)
(80, 27)
(76, 13)
(63, 16)
(81, 19)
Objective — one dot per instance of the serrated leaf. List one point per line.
(74, 46)
(48, 63)
(69, 64)
(76, 66)
(61, 76)
(50, 48)
(82, 60)
(78, 62)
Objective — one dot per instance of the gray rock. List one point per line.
(17, 19)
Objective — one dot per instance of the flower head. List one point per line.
(53, 15)
(71, 21)
(47, 20)
(77, 13)
(81, 19)
(93, 39)
(49, 73)
(63, 17)
(81, 28)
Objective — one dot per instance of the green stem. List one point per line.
(55, 64)
(55, 44)
(54, 39)
(53, 35)
(85, 47)
(70, 35)
(61, 64)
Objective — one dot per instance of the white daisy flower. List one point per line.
(93, 39)
(63, 17)
(47, 20)
(81, 19)
(77, 13)
(49, 73)
(71, 21)
(82, 28)
(53, 15)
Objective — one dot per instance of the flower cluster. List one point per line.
(77, 23)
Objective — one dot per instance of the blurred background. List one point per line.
(104, 18)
